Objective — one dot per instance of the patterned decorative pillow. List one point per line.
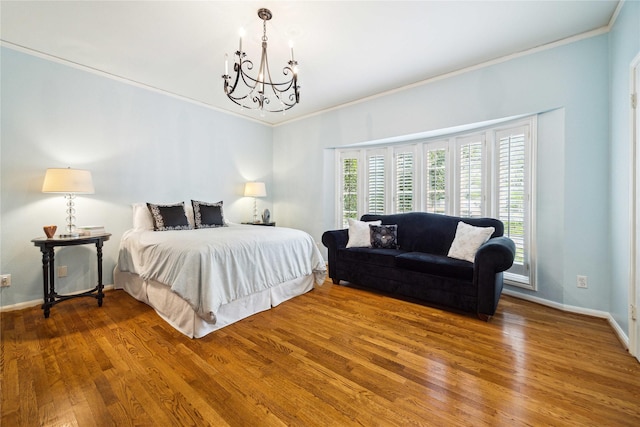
(384, 236)
(467, 241)
(169, 217)
(359, 234)
(208, 215)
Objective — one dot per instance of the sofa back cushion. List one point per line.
(431, 233)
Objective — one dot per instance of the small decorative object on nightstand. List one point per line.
(50, 230)
(266, 216)
(47, 246)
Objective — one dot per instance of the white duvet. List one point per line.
(214, 266)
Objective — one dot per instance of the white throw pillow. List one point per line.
(467, 241)
(359, 234)
(142, 219)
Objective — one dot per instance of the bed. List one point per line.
(202, 278)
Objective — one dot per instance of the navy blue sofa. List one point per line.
(420, 268)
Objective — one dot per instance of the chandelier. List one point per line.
(260, 92)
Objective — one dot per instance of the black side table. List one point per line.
(47, 246)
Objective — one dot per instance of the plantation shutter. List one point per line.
(404, 181)
(376, 183)
(470, 182)
(435, 179)
(349, 199)
(512, 200)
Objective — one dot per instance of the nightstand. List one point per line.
(268, 224)
(47, 247)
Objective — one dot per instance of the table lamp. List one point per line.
(255, 189)
(70, 182)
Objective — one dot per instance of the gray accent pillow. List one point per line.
(384, 236)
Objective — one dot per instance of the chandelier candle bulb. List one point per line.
(291, 46)
(226, 64)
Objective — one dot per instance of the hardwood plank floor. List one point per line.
(333, 357)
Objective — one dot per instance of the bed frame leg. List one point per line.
(335, 281)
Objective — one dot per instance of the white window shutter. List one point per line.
(404, 181)
(376, 183)
(470, 177)
(435, 178)
(512, 194)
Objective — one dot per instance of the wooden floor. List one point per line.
(336, 356)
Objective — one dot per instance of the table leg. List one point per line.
(100, 286)
(45, 280)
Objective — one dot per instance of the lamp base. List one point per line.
(68, 235)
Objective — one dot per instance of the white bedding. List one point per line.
(216, 266)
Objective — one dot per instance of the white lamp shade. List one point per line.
(255, 189)
(68, 180)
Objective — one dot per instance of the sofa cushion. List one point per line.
(437, 265)
(377, 257)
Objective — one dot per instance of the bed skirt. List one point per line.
(179, 314)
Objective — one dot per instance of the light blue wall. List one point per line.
(145, 146)
(139, 145)
(570, 82)
(624, 46)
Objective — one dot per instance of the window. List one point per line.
(469, 179)
(349, 187)
(404, 188)
(512, 191)
(487, 172)
(376, 181)
(436, 178)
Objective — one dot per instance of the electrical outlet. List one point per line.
(582, 282)
(5, 280)
(62, 271)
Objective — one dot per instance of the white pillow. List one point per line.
(467, 241)
(142, 219)
(359, 234)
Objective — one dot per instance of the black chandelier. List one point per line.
(261, 92)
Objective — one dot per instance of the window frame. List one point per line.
(488, 137)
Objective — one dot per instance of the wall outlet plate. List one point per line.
(5, 280)
(582, 282)
(62, 271)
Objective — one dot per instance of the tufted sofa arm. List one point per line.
(492, 258)
(497, 254)
(334, 240)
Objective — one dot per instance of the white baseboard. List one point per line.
(622, 336)
(34, 303)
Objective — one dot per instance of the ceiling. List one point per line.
(346, 50)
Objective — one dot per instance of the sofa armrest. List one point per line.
(496, 254)
(492, 258)
(334, 240)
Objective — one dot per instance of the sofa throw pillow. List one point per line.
(384, 236)
(467, 241)
(359, 234)
(208, 215)
(168, 217)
